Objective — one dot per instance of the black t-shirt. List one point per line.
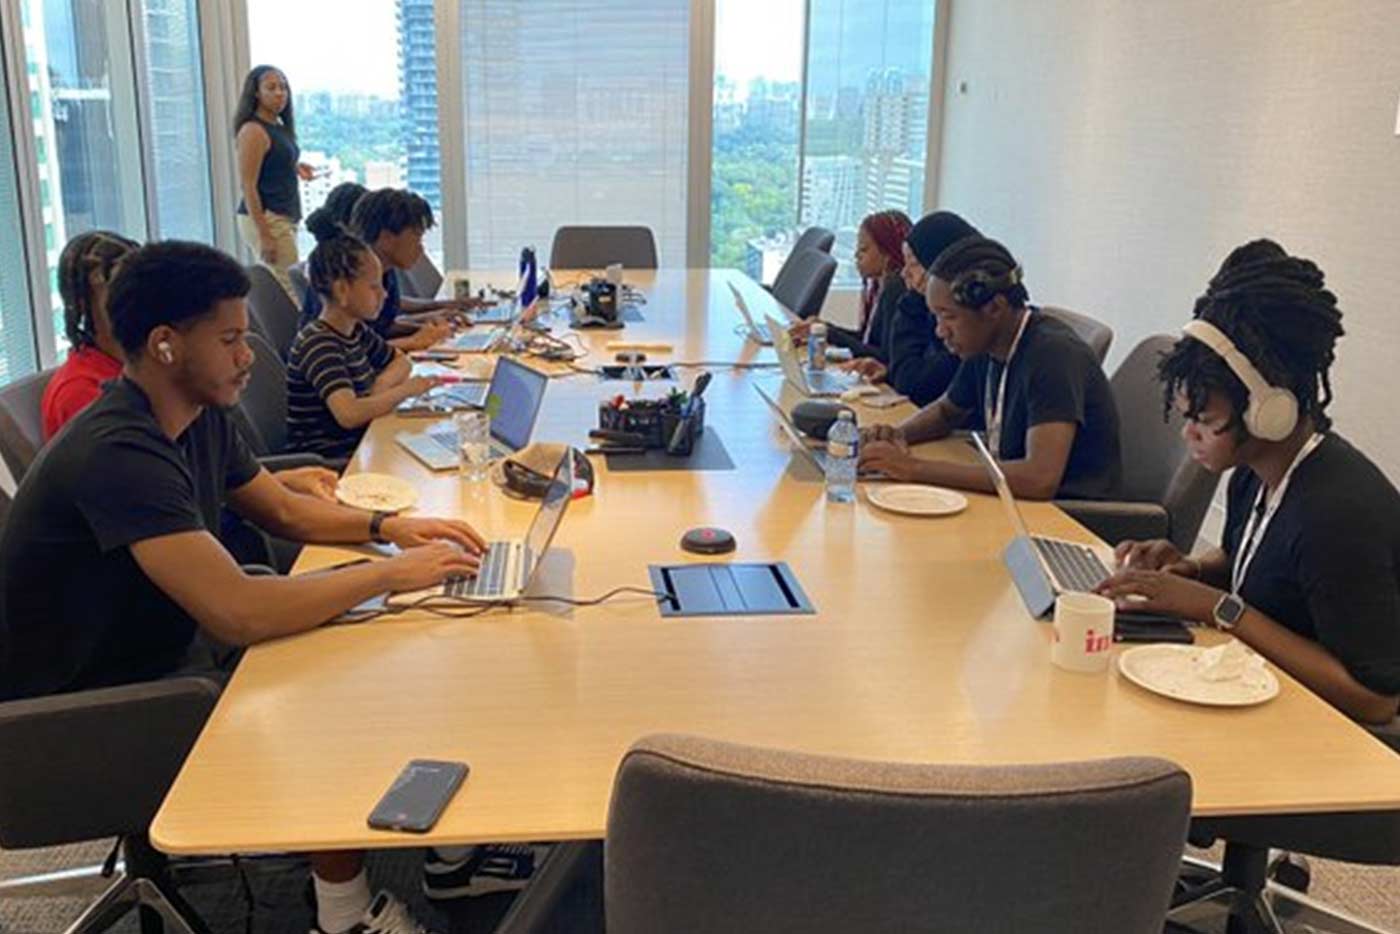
(1054, 377)
(76, 611)
(1328, 564)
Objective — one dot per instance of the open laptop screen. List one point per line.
(1008, 501)
(513, 402)
(551, 511)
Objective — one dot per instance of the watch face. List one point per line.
(1229, 610)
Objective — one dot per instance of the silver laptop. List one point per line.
(756, 332)
(817, 457)
(1041, 567)
(513, 402)
(476, 340)
(502, 312)
(819, 383)
(510, 565)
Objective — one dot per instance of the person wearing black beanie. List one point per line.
(919, 366)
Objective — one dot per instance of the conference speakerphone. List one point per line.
(745, 589)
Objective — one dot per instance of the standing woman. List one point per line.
(269, 170)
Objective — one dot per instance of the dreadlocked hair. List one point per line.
(978, 269)
(391, 210)
(97, 251)
(1277, 311)
(338, 253)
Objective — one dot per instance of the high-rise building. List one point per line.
(418, 91)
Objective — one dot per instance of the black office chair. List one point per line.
(1257, 902)
(96, 764)
(578, 247)
(803, 282)
(296, 274)
(22, 422)
(271, 309)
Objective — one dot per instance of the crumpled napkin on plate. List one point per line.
(1229, 662)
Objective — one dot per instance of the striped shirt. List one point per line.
(323, 361)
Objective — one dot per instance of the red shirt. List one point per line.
(75, 385)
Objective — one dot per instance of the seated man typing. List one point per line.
(1037, 387)
(109, 566)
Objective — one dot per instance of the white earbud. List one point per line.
(166, 354)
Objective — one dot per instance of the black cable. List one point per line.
(452, 606)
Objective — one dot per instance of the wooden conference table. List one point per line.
(920, 650)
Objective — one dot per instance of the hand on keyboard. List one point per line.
(412, 533)
(419, 568)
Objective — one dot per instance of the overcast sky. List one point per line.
(351, 45)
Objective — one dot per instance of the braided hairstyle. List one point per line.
(97, 251)
(977, 270)
(887, 230)
(338, 253)
(391, 210)
(1277, 310)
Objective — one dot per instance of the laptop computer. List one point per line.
(509, 566)
(817, 457)
(1043, 568)
(477, 340)
(756, 332)
(819, 383)
(502, 312)
(513, 401)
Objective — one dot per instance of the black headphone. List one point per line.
(976, 287)
(526, 484)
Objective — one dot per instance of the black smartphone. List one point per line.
(418, 796)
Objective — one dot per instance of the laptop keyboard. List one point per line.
(490, 579)
(1074, 567)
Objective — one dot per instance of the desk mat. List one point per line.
(709, 454)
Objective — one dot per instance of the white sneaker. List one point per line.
(385, 915)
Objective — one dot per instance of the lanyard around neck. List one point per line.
(994, 413)
(1263, 512)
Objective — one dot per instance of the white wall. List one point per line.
(1120, 148)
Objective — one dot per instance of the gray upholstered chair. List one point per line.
(1095, 333)
(1165, 493)
(579, 247)
(707, 837)
(422, 281)
(296, 274)
(22, 422)
(813, 238)
(271, 309)
(803, 282)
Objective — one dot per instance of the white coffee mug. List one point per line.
(1083, 632)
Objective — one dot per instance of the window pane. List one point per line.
(84, 104)
(576, 113)
(758, 90)
(361, 115)
(17, 350)
(176, 135)
(869, 66)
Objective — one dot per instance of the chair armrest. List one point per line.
(1118, 521)
(95, 763)
(276, 462)
(540, 908)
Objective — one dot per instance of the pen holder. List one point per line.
(655, 421)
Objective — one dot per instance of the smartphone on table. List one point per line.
(419, 795)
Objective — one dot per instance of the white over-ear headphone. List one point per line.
(1272, 413)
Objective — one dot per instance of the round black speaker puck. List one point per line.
(708, 541)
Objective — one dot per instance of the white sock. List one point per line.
(340, 905)
(453, 854)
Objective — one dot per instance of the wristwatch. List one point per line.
(1227, 612)
(375, 521)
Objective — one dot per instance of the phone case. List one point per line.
(418, 796)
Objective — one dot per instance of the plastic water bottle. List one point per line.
(842, 450)
(816, 346)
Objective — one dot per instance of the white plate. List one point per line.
(1173, 671)
(912, 499)
(376, 492)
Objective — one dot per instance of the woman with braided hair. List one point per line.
(879, 261)
(1035, 385)
(1308, 569)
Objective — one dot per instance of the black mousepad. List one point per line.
(709, 453)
